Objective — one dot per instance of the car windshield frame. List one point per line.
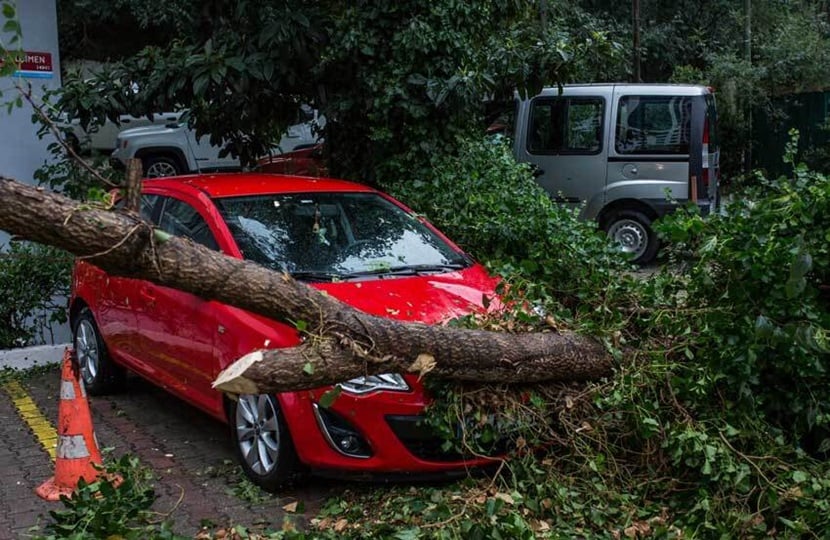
(336, 236)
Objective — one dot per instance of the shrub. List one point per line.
(488, 203)
(33, 279)
(756, 297)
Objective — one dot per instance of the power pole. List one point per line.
(635, 16)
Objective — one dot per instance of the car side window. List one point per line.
(180, 219)
(148, 205)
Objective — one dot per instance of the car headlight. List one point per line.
(386, 381)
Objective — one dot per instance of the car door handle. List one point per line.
(538, 172)
(146, 294)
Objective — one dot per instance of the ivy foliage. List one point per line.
(716, 418)
(109, 509)
(491, 206)
(758, 288)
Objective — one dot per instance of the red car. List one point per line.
(307, 161)
(356, 243)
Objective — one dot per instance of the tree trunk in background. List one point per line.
(342, 343)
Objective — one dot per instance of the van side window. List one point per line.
(570, 126)
(654, 125)
(584, 127)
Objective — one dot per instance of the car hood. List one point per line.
(429, 299)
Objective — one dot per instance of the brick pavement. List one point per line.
(189, 453)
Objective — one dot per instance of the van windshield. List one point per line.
(654, 125)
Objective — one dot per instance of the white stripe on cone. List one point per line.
(72, 447)
(67, 390)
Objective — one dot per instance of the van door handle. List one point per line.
(538, 172)
(147, 295)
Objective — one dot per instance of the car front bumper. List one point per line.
(390, 424)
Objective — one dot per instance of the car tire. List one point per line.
(632, 231)
(262, 442)
(161, 166)
(98, 372)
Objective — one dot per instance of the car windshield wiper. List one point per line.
(409, 270)
(310, 275)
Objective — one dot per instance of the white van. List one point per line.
(629, 153)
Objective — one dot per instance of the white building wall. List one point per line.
(21, 152)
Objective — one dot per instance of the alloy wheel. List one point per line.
(258, 432)
(86, 349)
(161, 169)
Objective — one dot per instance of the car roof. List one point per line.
(242, 184)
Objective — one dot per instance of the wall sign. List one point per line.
(35, 65)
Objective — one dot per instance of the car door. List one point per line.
(564, 140)
(178, 329)
(118, 303)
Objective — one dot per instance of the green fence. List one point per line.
(808, 113)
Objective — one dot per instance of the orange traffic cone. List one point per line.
(77, 450)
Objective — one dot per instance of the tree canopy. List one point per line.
(395, 80)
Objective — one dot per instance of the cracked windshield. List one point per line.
(335, 236)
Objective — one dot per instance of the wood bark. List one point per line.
(341, 343)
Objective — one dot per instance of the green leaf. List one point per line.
(764, 329)
(327, 399)
(200, 83)
(8, 11)
(408, 534)
(709, 246)
(12, 27)
(308, 368)
(161, 236)
(802, 264)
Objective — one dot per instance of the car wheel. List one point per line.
(161, 166)
(99, 373)
(631, 231)
(262, 442)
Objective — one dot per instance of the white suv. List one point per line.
(174, 149)
(103, 138)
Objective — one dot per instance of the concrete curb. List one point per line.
(29, 357)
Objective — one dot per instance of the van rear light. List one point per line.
(704, 157)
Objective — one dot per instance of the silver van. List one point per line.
(629, 153)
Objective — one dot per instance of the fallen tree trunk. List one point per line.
(342, 342)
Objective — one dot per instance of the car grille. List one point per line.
(419, 439)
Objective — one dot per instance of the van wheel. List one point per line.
(631, 231)
(160, 167)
